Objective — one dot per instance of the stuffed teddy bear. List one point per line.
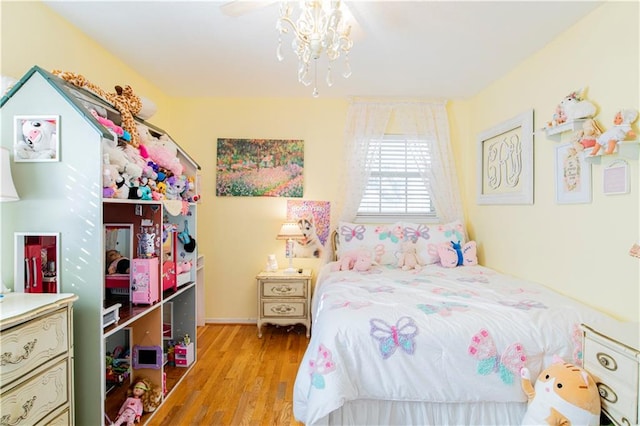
(564, 394)
(586, 137)
(409, 258)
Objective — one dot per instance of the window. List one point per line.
(396, 187)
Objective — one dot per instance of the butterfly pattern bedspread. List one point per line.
(438, 335)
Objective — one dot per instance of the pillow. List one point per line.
(429, 237)
(382, 240)
(463, 255)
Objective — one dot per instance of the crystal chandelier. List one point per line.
(320, 28)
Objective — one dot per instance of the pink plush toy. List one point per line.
(111, 125)
(183, 267)
(358, 260)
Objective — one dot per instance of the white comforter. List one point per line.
(438, 335)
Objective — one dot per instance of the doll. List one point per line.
(117, 263)
(621, 130)
(131, 409)
(142, 396)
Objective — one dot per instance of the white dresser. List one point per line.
(36, 367)
(284, 299)
(612, 356)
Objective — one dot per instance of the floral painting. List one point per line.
(314, 220)
(260, 168)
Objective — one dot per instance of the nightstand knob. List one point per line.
(282, 309)
(607, 393)
(282, 289)
(607, 361)
(624, 421)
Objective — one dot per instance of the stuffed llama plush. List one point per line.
(564, 394)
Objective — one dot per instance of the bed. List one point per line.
(439, 345)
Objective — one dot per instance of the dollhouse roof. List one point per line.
(83, 101)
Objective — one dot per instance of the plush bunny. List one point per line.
(409, 258)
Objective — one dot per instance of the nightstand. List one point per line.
(284, 298)
(612, 355)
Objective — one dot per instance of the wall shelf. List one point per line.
(569, 126)
(626, 149)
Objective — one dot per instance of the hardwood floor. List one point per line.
(239, 379)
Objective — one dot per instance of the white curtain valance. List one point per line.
(368, 119)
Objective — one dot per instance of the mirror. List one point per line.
(118, 249)
(37, 262)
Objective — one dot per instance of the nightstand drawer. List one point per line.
(284, 309)
(284, 288)
(28, 346)
(607, 363)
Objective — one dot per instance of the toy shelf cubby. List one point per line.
(64, 196)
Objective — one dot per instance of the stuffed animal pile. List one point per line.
(137, 164)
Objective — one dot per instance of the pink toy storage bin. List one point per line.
(144, 281)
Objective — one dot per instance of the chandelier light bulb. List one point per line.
(320, 29)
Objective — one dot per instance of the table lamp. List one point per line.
(290, 231)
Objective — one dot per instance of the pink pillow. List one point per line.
(450, 257)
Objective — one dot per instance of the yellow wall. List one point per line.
(32, 34)
(578, 249)
(237, 233)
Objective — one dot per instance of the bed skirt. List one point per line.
(371, 412)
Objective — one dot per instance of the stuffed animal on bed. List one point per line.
(409, 258)
(357, 260)
(454, 254)
(564, 394)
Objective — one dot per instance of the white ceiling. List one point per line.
(432, 49)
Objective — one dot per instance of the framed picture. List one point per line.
(36, 138)
(615, 178)
(314, 220)
(260, 168)
(505, 162)
(573, 176)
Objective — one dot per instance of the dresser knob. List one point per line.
(624, 421)
(607, 361)
(607, 393)
(282, 309)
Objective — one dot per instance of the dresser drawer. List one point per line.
(29, 402)
(283, 289)
(284, 309)
(63, 419)
(27, 346)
